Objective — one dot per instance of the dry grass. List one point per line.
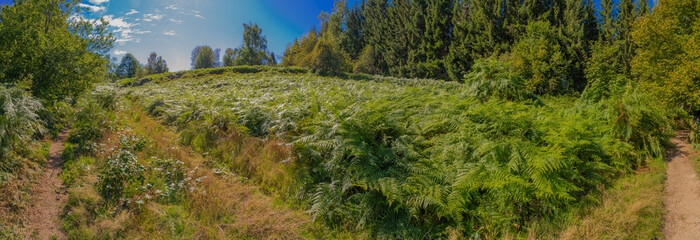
(631, 209)
(223, 207)
(16, 187)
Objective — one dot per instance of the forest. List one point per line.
(403, 119)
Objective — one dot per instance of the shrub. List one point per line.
(120, 170)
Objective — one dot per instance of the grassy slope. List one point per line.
(283, 96)
(221, 205)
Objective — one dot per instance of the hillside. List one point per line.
(405, 158)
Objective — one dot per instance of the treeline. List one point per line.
(252, 52)
(131, 67)
(549, 43)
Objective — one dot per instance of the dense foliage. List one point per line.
(406, 157)
(669, 52)
(548, 42)
(44, 47)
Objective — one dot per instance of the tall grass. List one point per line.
(19, 119)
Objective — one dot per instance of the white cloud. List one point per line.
(170, 33)
(119, 52)
(176, 21)
(153, 17)
(171, 7)
(124, 31)
(193, 13)
(98, 2)
(117, 22)
(133, 11)
(91, 7)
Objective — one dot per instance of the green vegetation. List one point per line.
(554, 127)
(405, 157)
(20, 154)
(54, 55)
(134, 181)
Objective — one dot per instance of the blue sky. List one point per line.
(173, 28)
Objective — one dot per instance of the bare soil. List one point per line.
(49, 196)
(682, 198)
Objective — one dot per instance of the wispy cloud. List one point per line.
(125, 31)
(170, 33)
(132, 12)
(171, 7)
(193, 13)
(119, 52)
(176, 21)
(91, 7)
(98, 2)
(153, 17)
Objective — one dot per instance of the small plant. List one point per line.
(117, 176)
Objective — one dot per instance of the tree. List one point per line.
(623, 27)
(353, 39)
(273, 60)
(55, 54)
(327, 57)
(205, 58)
(578, 30)
(230, 57)
(129, 67)
(254, 49)
(156, 64)
(607, 21)
(538, 58)
(668, 59)
(217, 57)
(195, 54)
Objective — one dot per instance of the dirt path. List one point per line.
(682, 197)
(48, 198)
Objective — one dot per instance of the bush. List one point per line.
(120, 170)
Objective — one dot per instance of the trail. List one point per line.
(49, 195)
(682, 198)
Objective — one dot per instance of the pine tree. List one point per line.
(575, 41)
(623, 26)
(353, 39)
(459, 59)
(607, 22)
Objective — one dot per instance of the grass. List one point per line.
(630, 208)
(16, 186)
(218, 204)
